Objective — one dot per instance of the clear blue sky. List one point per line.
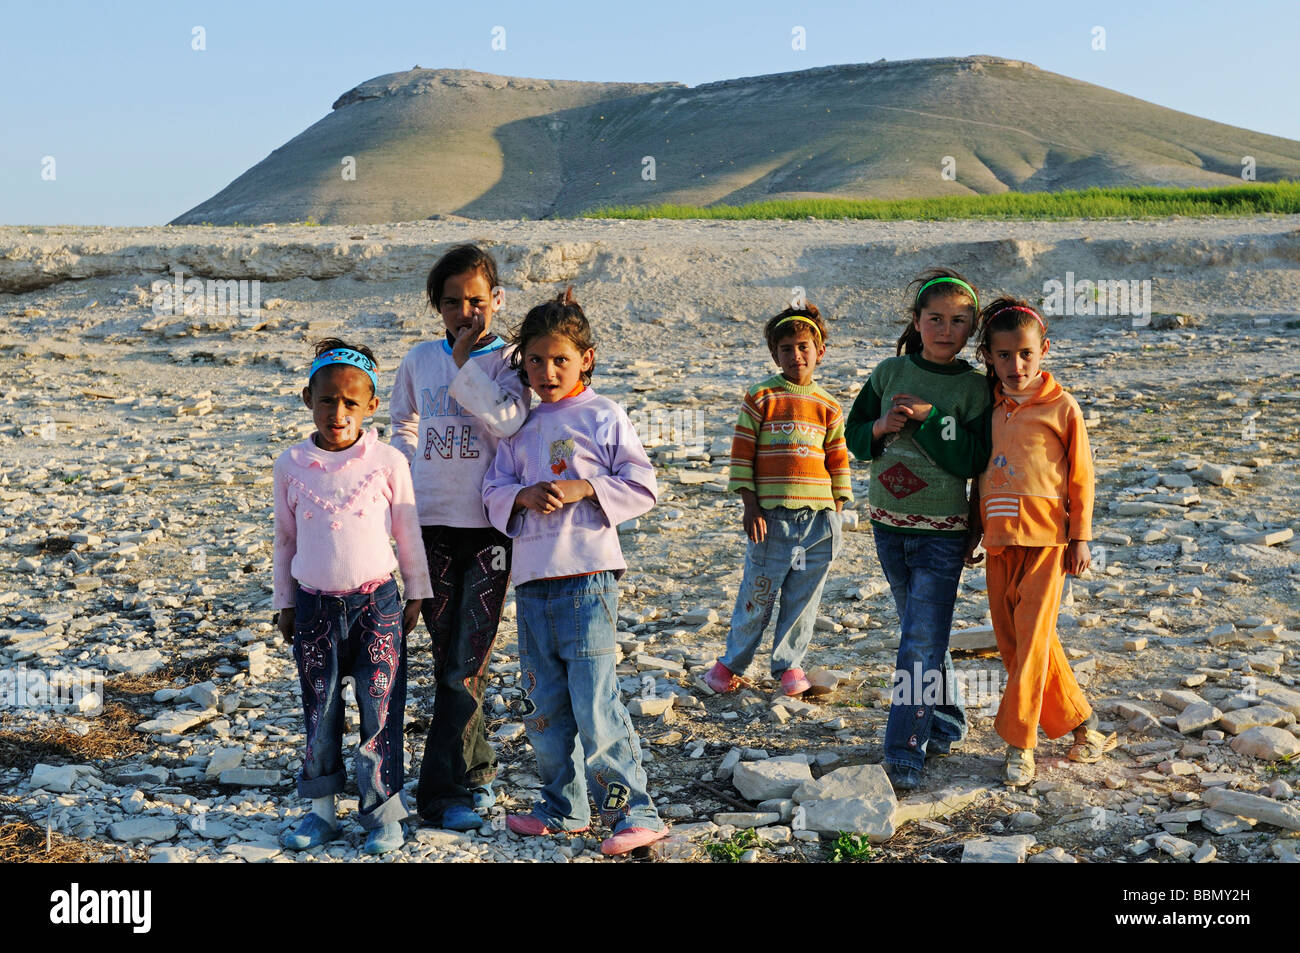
(142, 126)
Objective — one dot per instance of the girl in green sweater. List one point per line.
(917, 420)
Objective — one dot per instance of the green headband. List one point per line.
(955, 281)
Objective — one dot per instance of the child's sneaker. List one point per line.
(312, 831)
(941, 747)
(721, 679)
(458, 817)
(530, 825)
(902, 777)
(629, 839)
(794, 682)
(484, 797)
(1090, 744)
(383, 839)
(1019, 768)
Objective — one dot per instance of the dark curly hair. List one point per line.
(562, 315)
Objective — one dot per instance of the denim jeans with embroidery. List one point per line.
(574, 714)
(794, 559)
(469, 569)
(359, 635)
(923, 572)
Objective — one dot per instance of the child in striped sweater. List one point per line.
(790, 465)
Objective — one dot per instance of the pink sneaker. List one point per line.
(721, 680)
(630, 838)
(794, 682)
(530, 825)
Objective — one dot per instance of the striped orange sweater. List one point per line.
(789, 447)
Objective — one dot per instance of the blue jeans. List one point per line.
(793, 559)
(923, 572)
(358, 635)
(572, 708)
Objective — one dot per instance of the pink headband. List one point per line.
(1016, 307)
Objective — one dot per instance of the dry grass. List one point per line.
(24, 841)
(112, 735)
(189, 672)
(912, 841)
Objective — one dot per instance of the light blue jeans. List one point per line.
(793, 559)
(572, 708)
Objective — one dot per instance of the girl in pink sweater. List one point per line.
(339, 495)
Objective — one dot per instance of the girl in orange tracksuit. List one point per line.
(1035, 506)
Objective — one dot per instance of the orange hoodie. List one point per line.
(1038, 487)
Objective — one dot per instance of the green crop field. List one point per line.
(1277, 198)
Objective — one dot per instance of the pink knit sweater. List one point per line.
(334, 513)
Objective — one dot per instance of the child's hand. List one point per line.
(891, 422)
(574, 490)
(1077, 557)
(410, 616)
(973, 543)
(541, 498)
(286, 617)
(466, 340)
(913, 407)
(755, 525)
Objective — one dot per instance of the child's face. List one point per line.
(465, 296)
(554, 366)
(798, 354)
(340, 398)
(1017, 355)
(945, 324)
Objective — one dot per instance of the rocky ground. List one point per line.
(135, 458)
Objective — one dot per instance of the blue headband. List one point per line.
(345, 355)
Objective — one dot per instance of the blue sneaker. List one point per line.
(484, 797)
(383, 839)
(458, 817)
(312, 831)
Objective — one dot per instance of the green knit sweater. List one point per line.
(919, 475)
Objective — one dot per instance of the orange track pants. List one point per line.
(1024, 589)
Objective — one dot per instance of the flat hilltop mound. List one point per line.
(457, 142)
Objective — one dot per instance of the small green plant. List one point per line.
(1282, 766)
(850, 849)
(728, 851)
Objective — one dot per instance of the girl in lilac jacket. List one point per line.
(559, 487)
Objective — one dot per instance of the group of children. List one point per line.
(478, 486)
